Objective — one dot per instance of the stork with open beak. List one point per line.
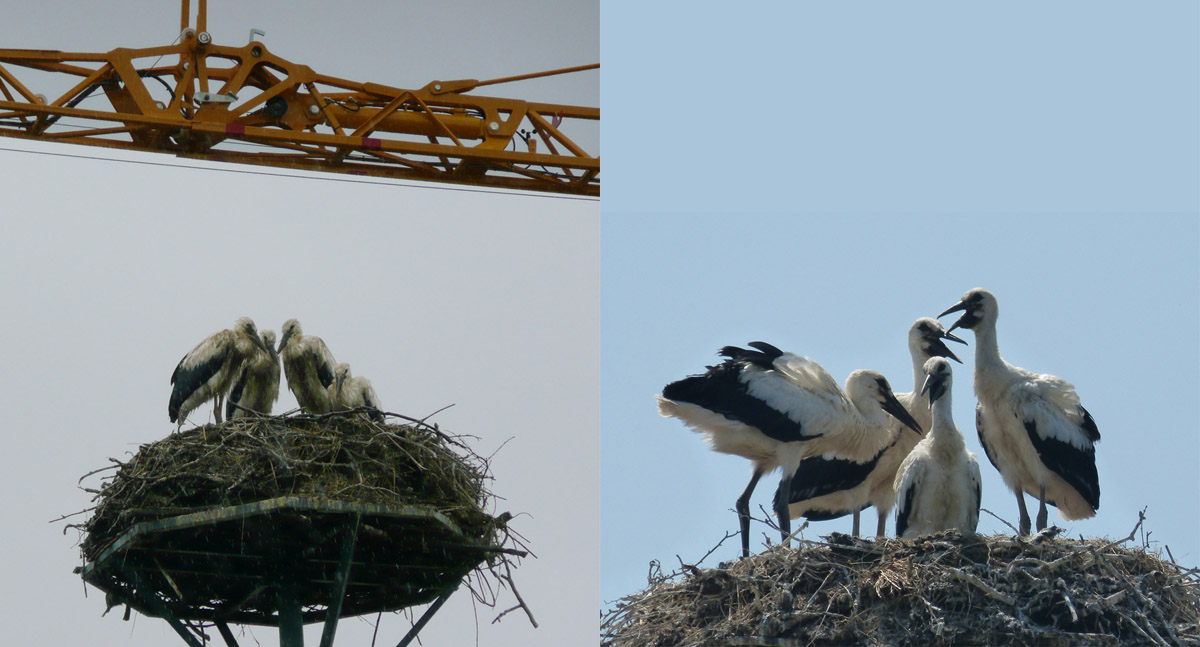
(1032, 426)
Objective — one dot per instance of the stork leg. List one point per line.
(781, 507)
(1041, 518)
(217, 408)
(882, 529)
(1023, 525)
(743, 510)
(855, 531)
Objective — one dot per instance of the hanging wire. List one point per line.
(312, 177)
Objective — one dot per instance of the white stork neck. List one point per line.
(918, 360)
(944, 436)
(987, 352)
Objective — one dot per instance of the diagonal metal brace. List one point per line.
(425, 617)
(157, 606)
(340, 580)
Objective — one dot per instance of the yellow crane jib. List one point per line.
(196, 99)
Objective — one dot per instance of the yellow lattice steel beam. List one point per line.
(247, 105)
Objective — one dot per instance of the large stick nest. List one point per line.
(946, 589)
(341, 457)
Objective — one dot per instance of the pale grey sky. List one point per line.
(485, 301)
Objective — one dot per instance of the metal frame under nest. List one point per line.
(286, 562)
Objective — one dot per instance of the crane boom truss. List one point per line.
(247, 105)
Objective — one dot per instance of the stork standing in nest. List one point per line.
(308, 365)
(777, 409)
(207, 372)
(257, 385)
(829, 487)
(1032, 426)
(938, 483)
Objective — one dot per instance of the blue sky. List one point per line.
(1110, 306)
(820, 176)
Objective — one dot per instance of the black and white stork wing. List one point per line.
(826, 474)
(323, 361)
(198, 367)
(763, 357)
(976, 488)
(236, 391)
(812, 378)
(371, 401)
(738, 392)
(982, 440)
(909, 479)
(1063, 437)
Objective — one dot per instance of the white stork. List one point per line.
(1032, 427)
(829, 487)
(348, 393)
(208, 370)
(938, 483)
(308, 365)
(257, 385)
(776, 409)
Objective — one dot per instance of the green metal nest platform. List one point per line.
(286, 562)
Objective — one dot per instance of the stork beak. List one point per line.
(935, 386)
(938, 348)
(941, 349)
(955, 308)
(282, 341)
(897, 410)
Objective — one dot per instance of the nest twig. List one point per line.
(946, 589)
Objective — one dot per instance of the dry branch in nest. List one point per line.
(342, 457)
(945, 589)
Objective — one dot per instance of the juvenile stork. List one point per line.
(1032, 427)
(308, 365)
(776, 409)
(347, 393)
(207, 371)
(257, 385)
(829, 487)
(938, 483)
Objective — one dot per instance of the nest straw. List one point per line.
(343, 456)
(945, 589)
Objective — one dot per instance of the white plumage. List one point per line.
(776, 409)
(1032, 427)
(829, 487)
(308, 365)
(938, 484)
(257, 385)
(347, 393)
(207, 372)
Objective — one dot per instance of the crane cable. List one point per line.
(311, 177)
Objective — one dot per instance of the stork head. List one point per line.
(246, 326)
(938, 378)
(925, 340)
(867, 389)
(977, 306)
(341, 373)
(268, 340)
(291, 328)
